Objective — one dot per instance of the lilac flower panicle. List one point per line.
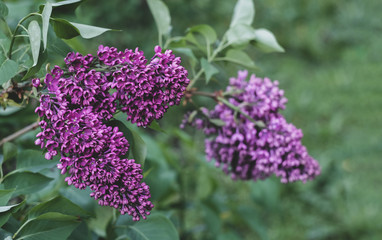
(77, 105)
(246, 151)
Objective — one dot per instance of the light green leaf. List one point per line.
(156, 226)
(216, 121)
(240, 34)
(188, 52)
(34, 33)
(32, 160)
(208, 32)
(60, 205)
(244, 13)
(104, 215)
(155, 126)
(239, 57)
(6, 211)
(209, 69)
(6, 208)
(267, 41)
(8, 69)
(66, 2)
(87, 31)
(25, 182)
(45, 22)
(49, 226)
(161, 16)
(5, 195)
(9, 151)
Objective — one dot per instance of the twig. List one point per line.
(19, 133)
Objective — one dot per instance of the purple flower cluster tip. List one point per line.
(76, 109)
(246, 150)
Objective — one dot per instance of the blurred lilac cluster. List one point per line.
(76, 109)
(245, 149)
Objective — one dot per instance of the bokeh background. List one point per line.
(331, 72)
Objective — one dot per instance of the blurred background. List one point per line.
(331, 72)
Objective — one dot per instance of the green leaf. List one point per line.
(155, 126)
(49, 226)
(45, 22)
(244, 13)
(188, 52)
(66, 2)
(239, 57)
(161, 16)
(25, 182)
(240, 34)
(138, 148)
(3, 10)
(9, 151)
(8, 69)
(216, 121)
(209, 69)
(5, 195)
(208, 32)
(267, 41)
(87, 31)
(156, 226)
(32, 160)
(35, 69)
(6, 211)
(58, 204)
(104, 215)
(34, 33)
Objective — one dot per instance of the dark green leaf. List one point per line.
(161, 16)
(267, 41)
(34, 32)
(244, 13)
(49, 226)
(45, 22)
(64, 29)
(209, 69)
(32, 160)
(58, 204)
(155, 126)
(8, 69)
(9, 151)
(240, 34)
(239, 57)
(5, 195)
(138, 148)
(208, 32)
(25, 182)
(156, 226)
(6, 211)
(3, 10)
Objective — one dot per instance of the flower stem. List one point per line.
(19, 133)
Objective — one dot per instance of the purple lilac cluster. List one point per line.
(246, 150)
(77, 106)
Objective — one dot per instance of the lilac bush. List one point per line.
(255, 140)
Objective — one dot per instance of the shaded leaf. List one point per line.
(58, 204)
(9, 151)
(49, 226)
(35, 69)
(239, 57)
(188, 52)
(208, 68)
(25, 182)
(156, 226)
(244, 13)
(104, 215)
(6, 211)
(208, 32)
(138, 148)
(3, 10)
(5, 195)
(155, 126)
(45, 22)
(161, 16)
(32, 160)
(8, 69)
(34, 33)
(240, 34)
(267, 41)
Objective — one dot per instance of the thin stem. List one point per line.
(237, 109)
(197, 76)
(16, 29)
(19, 133)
